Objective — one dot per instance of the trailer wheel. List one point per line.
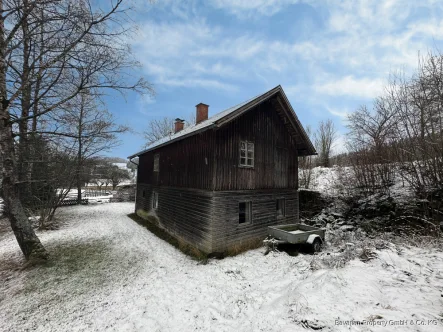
(316, 245)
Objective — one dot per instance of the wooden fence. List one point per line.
(67, 202)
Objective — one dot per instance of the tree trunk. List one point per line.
(24, 233)
(78, 177)
(24, 160)
(79, 152)
(79, 188)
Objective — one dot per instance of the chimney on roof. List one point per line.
(179, 124)
(202, 113)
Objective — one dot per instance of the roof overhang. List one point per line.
(171, 141)
(304, 145)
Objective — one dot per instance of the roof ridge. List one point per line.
(206, 124)
(232, 108)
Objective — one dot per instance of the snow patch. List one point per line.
(109, 273)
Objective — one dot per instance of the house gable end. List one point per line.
(284, 109)
(274, 152)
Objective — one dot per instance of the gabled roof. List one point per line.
(219, 119)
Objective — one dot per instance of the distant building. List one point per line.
(225, 179)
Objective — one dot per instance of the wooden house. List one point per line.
(226, 178)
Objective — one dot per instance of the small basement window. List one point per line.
(244, 212)
(246, 154)
(281, 207)
(154, 200)
(156, 162)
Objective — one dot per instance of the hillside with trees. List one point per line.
(392, 173)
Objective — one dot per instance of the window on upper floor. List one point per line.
(246, 154)
(156, 162)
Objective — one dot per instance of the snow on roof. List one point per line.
(204, 125)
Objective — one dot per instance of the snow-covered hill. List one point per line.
(338, 181)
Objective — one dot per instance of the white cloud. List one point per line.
(143, 102)
(361, 43)
(341, 113)
(196, 82)
(169, 54)
(250, 8)
(339, 144)
(353, 87)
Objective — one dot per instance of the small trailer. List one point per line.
(297, 234)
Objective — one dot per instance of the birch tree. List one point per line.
(51, 51)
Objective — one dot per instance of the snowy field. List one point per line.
(107, 273)
(337, 181)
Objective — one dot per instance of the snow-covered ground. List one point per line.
(340, 180)
(109, 273)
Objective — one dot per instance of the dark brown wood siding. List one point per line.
(226, 229)
(188, 163)
(200, 183)
(275, 160)
(210, 220)
(184, 213)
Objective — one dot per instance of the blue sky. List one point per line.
(329, 56)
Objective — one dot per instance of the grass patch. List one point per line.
(74, 270)
(76, 266)
(151, 223)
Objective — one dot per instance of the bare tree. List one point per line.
(157, 129)
(52, 179)
(369, 140)
(117, 176)
(88, 130)
(69, 46)
(160, 128)
(418, 103)
(403, 132)
(373, 128)
(325, 137)
(306, 163)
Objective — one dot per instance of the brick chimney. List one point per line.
(179, 124)
(202, 113)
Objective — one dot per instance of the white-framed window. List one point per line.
(244, 212)
(280, 206)
(156, 162)
(154, 200)
(246, 154)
